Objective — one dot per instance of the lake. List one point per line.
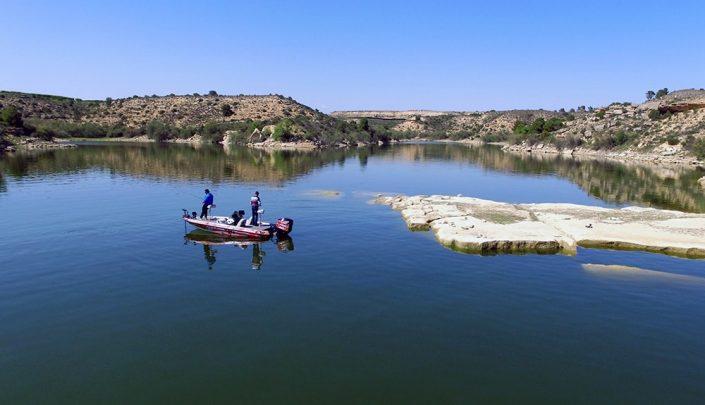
(107, 297)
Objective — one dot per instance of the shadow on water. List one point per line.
(671, 188)
(213, 243)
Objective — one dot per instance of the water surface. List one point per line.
(107, 298)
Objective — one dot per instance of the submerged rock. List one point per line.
(328, 194)
(637, 273)
(483, 226)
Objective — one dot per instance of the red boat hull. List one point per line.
(249, 232)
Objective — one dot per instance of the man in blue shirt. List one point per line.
(207, 202)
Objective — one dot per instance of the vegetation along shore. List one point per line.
(668, 127)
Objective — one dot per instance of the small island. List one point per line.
(488, 227)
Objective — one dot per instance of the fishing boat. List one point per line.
(237, 226)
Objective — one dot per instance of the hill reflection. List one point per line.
(661, 187)
(672, 188)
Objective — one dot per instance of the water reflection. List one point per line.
(662, 187)
(671, 188)
(174, 162)
(211, 243)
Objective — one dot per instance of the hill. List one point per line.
(668, 127)
(209, 117)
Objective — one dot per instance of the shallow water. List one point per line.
(104, 299)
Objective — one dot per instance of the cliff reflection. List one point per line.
(174, 162)
(671, 188)
(661, 187)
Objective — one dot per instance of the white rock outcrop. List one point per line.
(483, 226)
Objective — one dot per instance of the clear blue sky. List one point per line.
(357, 54)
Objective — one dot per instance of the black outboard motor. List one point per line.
(284, 226)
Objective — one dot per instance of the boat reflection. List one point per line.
(212, 242)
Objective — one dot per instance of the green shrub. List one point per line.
(212, 131)
(282, 131)
(226, 110)
(158, 130)
(494, 137)
(11, 117)
(672, 139)
(568, 142)
(609, 141)
(64, 129)
(45, 133)
(600, 114)
(697, 146)
(622, 138)
(605, 141)
(655, 115)
(538, 126)
(185, 132)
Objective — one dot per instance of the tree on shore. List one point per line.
(650, 95)
(226, 110)
(212, 93)
(662, 92)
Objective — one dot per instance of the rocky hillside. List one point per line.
(180, 110)
(441, 124)
(669, 125)
(248, 118)
(672, 124)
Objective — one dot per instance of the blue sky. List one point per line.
(357, 55)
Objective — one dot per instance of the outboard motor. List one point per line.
(284, 226)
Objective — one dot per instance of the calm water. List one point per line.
(104, 299)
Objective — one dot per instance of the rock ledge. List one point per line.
(489, 227)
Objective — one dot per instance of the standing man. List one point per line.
(207, 202)
(255, 202)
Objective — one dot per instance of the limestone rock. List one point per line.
(483, 226)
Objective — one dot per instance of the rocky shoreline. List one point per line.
(488, 227)
(664, 155)
(32, 143)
